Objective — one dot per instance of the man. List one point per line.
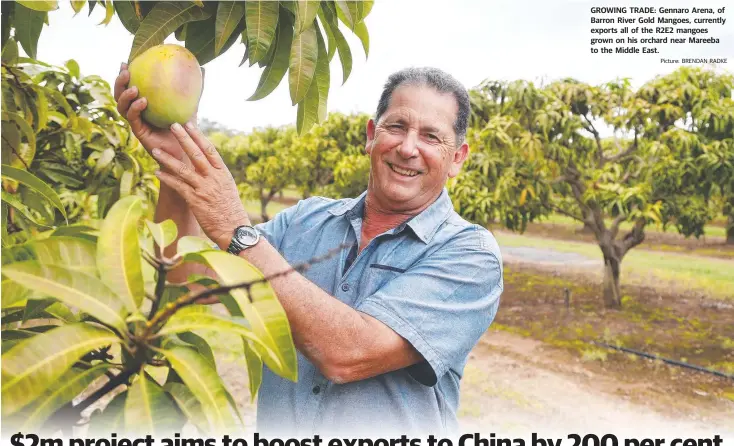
(383, 331)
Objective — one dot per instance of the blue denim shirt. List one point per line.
(436, 280)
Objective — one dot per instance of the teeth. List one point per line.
(410, 173)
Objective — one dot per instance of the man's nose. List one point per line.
(409, 146)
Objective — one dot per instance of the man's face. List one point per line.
(413, 148)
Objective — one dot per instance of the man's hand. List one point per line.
(131, 108)
(206, 184)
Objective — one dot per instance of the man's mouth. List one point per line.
(404, 172)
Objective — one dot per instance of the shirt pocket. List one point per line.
(378, 275)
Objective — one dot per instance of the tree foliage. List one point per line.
(91, 309)
(299, 38)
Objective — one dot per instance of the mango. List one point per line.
(169, 77)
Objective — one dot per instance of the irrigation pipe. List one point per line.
(666, 360)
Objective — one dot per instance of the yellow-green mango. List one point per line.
(169, 77)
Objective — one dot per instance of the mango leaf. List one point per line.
(200, 39)
(191, 243)
(13, 294)
(126, 13)
(229, 15)
(31, 181)
(364, 36)
(149, 409)
(345, 53)
(366, 7)
(112, 418)
(10, 50)
(40, 5)
(118, 252)
(306, 11)
(274, 72)
(187, 403)
(304, 52)
(204, 384)
(349, 12)
(161, 21)
(264, 314)
(262, 21)
(15, 203)
(37, 363)
(109, 12)
(164, 233)
(28, 24)
(323, 78)
(69, 386)
(77, 5)
(73, 288)
(254, 369)
(199, 318)
(200, 345)
(71, 253)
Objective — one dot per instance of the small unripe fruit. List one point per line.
(169, 77)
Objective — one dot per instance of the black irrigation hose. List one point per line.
(669, 361)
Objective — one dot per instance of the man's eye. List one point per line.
(395, 126)
(433, 137)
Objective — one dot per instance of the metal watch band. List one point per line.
(235, 246)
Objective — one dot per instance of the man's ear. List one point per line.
(458, 159)
(370, 136)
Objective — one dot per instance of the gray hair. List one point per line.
(439, 81)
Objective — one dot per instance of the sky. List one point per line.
(473, 40)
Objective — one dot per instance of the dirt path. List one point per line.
(516, 385)
(513, 386)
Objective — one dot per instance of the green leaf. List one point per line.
(265, 314)
(254, 369)
(10, 51)
(200, 345)
(180, 33)
(25, 129)
(33, 182)
(367, 7)
(150, 410)
(306, 11)
(229, 15)
(118, 252)
(199, 318)
(187, 403)
(37, 363)
(13, 294)
(191, 243)
(200, 39)
(64, 251)
(323, 78)
(348, 13)
(125, 10)
(161, 21)
(40, 5)
(364, 36)
(28, 25)
(274, 72)
(164, 233)
(204, 383)
(77, 5)
(71, 287)
(345, 52)
(304, 53)
(5, 13)
(15, 203)
(69, 386)
(262, 21)
(112, 418)
(109, 12)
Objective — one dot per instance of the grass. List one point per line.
(711, 230)
(253, 208)
(714, 277)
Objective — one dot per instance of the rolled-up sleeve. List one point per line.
(274, 230)
(444, 303)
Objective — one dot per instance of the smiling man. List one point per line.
(383, 330)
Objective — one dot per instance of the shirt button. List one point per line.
(316, 390)
(345, 287)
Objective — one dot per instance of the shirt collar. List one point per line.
(424, 225)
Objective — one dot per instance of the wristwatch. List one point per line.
(243, 238)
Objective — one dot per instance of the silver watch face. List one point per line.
(246, 236)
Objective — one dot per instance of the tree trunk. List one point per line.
(612, 290)
(730, 230)
(263, 206)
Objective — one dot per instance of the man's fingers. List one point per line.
(125, 99)
(174, 183)
(195, 153)
(207, 146)
(121, 82)
(134, 118)
(177, 169)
